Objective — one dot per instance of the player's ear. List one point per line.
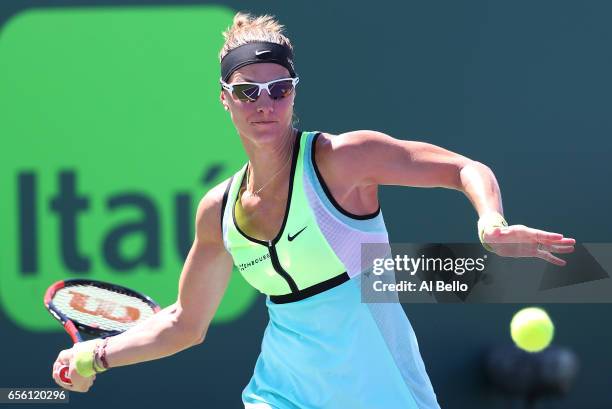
(223, 100)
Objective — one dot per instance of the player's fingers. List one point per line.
(87, 384)
(542, 235)
(65, 356)
(76, 379)
(545, 255)
(78, 387)
(554, 238)
(564, 241)
(56, 379)
(79, 383)
(55, 371)
(562, 249)
(553, 248)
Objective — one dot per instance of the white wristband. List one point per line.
(491, 219)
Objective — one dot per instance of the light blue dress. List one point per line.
(325, 348)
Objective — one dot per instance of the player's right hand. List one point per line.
(522, 241)
(79, 383)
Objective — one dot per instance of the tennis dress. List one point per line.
(323, 348)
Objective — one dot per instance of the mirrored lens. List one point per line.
(281, 89)
(246, 92)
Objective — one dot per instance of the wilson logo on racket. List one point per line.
(103, 308)
(80, 312)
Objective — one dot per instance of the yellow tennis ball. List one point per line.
(532, 329)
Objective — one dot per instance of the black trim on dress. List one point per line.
(224, 201)
(312, 290)
(328, 192)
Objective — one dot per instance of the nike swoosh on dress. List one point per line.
(290, 237)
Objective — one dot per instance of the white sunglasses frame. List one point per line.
(261, 85)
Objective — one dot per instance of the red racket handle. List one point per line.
(63, 375)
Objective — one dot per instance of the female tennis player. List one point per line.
(292, 220)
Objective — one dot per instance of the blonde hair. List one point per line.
(247, 28)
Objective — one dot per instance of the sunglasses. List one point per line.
(250, 91)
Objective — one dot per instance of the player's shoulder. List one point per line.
(346, 142)
(340, 151)
(324, 145)
(208, 215)
(214, 196)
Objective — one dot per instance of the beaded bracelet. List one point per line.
(103, 355)
(96, 357)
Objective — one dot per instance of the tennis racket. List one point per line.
(95, 309)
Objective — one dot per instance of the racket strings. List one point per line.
(101, 308)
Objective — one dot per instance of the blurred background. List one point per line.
(111, 131)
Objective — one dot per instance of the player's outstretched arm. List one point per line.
(371, 158)
(202, 283)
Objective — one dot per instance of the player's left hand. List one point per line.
(523, 241)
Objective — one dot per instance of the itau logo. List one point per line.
(111, 133)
